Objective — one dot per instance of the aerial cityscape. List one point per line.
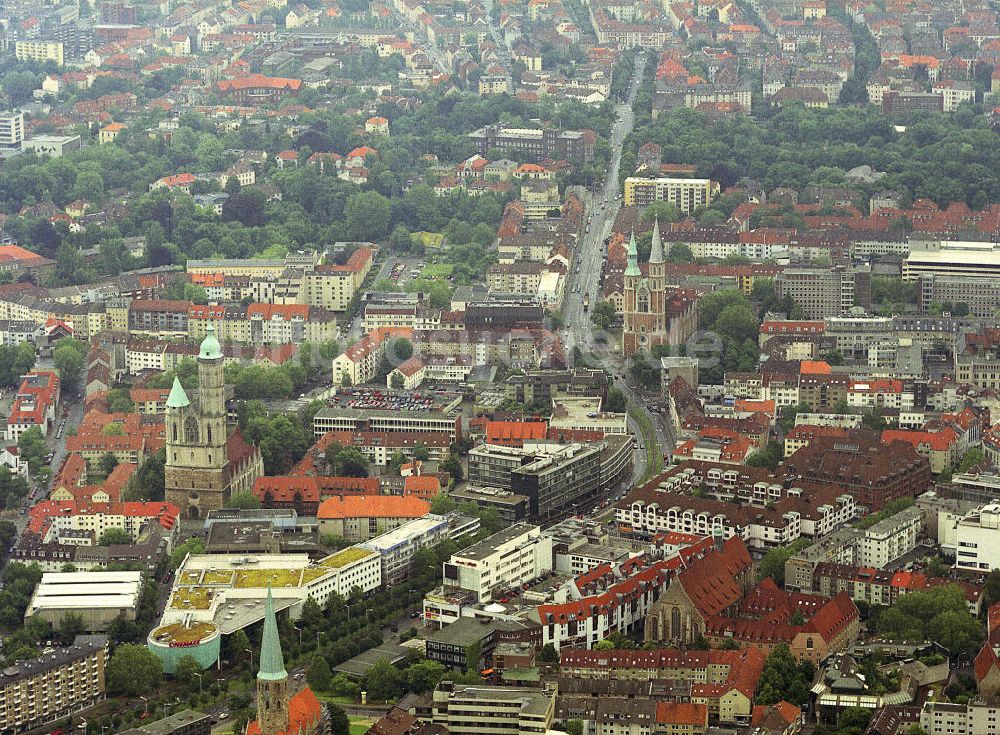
(499, 367)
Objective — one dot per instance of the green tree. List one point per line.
(346, 461)
(772, 564)
(340, 724)
(318, 674)
(398, 381)
(423, 676)
(119, 401)
(368, 215)
(783, 678)
(243, 501)
(939, 614)
(972, 457)
(453, 466)
(68, 356)
(191, 546)
(108, 462)
(548, 654)
(115, 536)
(32, 449)
(70, 626)
(616, 401)
(770, 456)
(384, 681)
(603, 314)
(133, 670)
(186, 670)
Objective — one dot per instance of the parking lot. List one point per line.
(386, 400)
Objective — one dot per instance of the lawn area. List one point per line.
(437, 270)
(360, 725)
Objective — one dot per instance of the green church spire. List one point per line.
(632, 269)
(272, 664)
(177, 398)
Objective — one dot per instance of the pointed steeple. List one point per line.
(177, 398)
(656, 251)
(272, 664)
(632, 269)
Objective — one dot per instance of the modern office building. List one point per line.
(976, 540)
(687, 194)
(553, 476)
(506, 559)
(472, 710)
(397, 547)
(43, 690)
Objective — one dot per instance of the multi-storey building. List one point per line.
(874, 473)
(39, 51)
(401, 422)
(764, 511)
(980, 293)
(976, 536)
(158, 318)
(687, 194)
(533, 144)
(361, 517)
(43, 690)
(724, 680)
(465, 709)
(824, 292)
(397, 547)
(552, 475)
(11, 129)
(515, 555)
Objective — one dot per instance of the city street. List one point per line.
(585, 273)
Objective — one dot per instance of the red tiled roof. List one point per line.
(381, 506)
(681, 713)
(505, 431)
(259, 81)
(288, 489)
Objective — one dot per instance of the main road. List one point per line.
(585, 276)
(585, 271)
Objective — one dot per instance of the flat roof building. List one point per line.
(98, 597)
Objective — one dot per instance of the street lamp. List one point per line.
(300, 634)
(200, 676)
(145, 706)
(250, 651)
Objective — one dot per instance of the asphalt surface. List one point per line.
(585, 273)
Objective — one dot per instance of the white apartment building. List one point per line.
(977, 539)
(506, 559)
(889, 539)
(687, 194)
(978, 717)
(11, 129)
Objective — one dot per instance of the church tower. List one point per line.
(197, 468)
(272, 679)
(657, 275)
